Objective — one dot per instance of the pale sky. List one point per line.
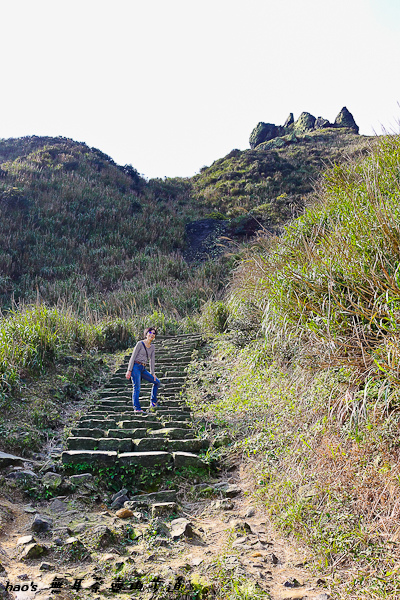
(171, 85)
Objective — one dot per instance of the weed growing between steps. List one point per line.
(139, 478)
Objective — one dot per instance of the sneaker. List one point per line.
(153, 404)
(141, 411)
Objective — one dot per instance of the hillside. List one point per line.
(77, 227)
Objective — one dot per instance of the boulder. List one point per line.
(52, 480)
(9, 459)
(163, 508)
(41, 524)
(304, 123)
(264, 132)
(322, 123)
(33, 551)
(345, 119)
(181, 527)
(23, 476)
(289, 121)
(124, 513)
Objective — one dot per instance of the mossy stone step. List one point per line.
(176, 424)
(127, 434)
(145, 459)
(153, 498)
(172, 433)
(133, 424)
(88, 432)
(96, 423)
(91, 457)
(149, 444)
(86, 443)
(189, 445)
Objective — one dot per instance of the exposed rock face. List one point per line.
(321, 123)
(265, 132)
(289, 121)
(345, 119)
(305, 122)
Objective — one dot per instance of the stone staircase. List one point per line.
(111, 434)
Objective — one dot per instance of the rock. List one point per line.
(119, 502)
(250, 512)
(304, 123)
(102, 537)
(81, 479)
(323, 596)
(163, 508)
(58, 506)
(22, 475)
(322, 123)
(292, 583)
(33, 551)
(122, 492)
(7, 460)
(124, 513)
(46, 567)
(345, 119)
(289, 121)
(197, 561)
(274, 559)
(26, 539)
(107, 557)
(181, 527)
(159, 527)
(41, 524)
(239, 525)
(186, 459)
(52, 480)
(225, 504)
(232, 490)
(264, 132)
(153, 498)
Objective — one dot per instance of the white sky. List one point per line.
(171, 85)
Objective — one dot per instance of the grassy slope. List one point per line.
(305, 380)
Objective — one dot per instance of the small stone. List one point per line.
(119, 501)
(107, 557)
(292, 583)
(250, 513)
(239, 525)
(41, 524)
(323, 596)
(181, 527)
(256, 554)
(225, 504)
(33, 551)
(122, 492)
(26, 539)
(274, 559)
(124, 513)
(163, 508)
(46, 567)
(197, 561)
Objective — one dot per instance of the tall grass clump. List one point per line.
(333, 278)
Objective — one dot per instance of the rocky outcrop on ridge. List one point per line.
(306, 122)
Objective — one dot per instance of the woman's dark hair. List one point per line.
(146, 331)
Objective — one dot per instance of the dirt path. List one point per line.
(232, 540)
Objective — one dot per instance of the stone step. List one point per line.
(96, 423)
(88, 432)
(87, 443)
(139, 423)
(172, 433)
(176, 424)
(127, 434)
(166, 445)
(92, 457)
(145, 459)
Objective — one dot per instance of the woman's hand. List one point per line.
(128, 374)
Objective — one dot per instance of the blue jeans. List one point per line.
(138, 373)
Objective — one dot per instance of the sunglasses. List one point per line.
(152, 332)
